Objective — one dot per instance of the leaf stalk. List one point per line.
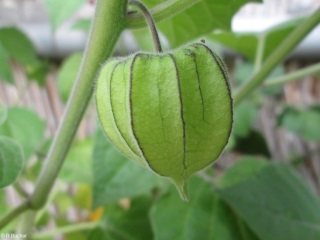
(287, 45)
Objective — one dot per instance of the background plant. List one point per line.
(255, 198)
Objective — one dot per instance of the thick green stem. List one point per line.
(26, 224)
(13, 214)
(294, 75)
(163, 11)
(290, 42)
(107, 25)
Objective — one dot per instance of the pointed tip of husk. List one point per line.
(182, 188)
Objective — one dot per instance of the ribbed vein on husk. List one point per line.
(131, 111)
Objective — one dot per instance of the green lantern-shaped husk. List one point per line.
(170, 112)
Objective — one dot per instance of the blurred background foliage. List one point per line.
(265, 185)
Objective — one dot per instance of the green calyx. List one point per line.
(171, 112)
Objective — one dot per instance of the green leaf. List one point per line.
(200, 19)
(144, 39)
(245, 115)
(60, 10)
(67, 75)
(63, 201)
(38, 71)
(275, 35)
(276, 89)
(83, 199)
(3, 114)
(32, 172)
(82, 24)
(78, 163)
(301, 122)
(276, 204)
(116, 177)
(121, 223)
(246, 43)
(243, 72)
(204, 217)
(240, 170)
(25, 127)
(5, 68)
(17, 45)
(11, 161)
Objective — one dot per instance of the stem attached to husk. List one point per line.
(163, 11)
(151, 24)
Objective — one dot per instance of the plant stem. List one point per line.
(290, 42)
(294, 75)
(19, 189)
(163, 11)
(259, 52)
(68, 229)
(151, 24)
(13, 214)
(108, 23)
(26, 224)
